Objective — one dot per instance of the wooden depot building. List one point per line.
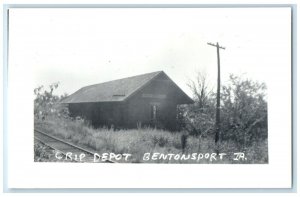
(148, 100)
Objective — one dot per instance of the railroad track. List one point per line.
(70, 152)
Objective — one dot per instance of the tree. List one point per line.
(198, 117)
(201, 92)
(47, 103)
(244, 111)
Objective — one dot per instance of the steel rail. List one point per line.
(50, 146)
(66, 143)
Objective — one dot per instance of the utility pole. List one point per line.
(217, 135)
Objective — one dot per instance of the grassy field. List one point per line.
(137, 142)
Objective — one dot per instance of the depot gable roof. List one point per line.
(113, 91)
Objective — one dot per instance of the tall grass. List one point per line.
(144, 140)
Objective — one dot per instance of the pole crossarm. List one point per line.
(216, 45)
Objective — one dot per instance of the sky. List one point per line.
(80, 47)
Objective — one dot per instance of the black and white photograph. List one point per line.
(130, 90)
(185, 86)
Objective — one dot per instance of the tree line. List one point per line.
(243, 111)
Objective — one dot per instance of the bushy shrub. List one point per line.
(40, 152)
(243, 111)
(47, 103)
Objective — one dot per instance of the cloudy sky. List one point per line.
(80, 47)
